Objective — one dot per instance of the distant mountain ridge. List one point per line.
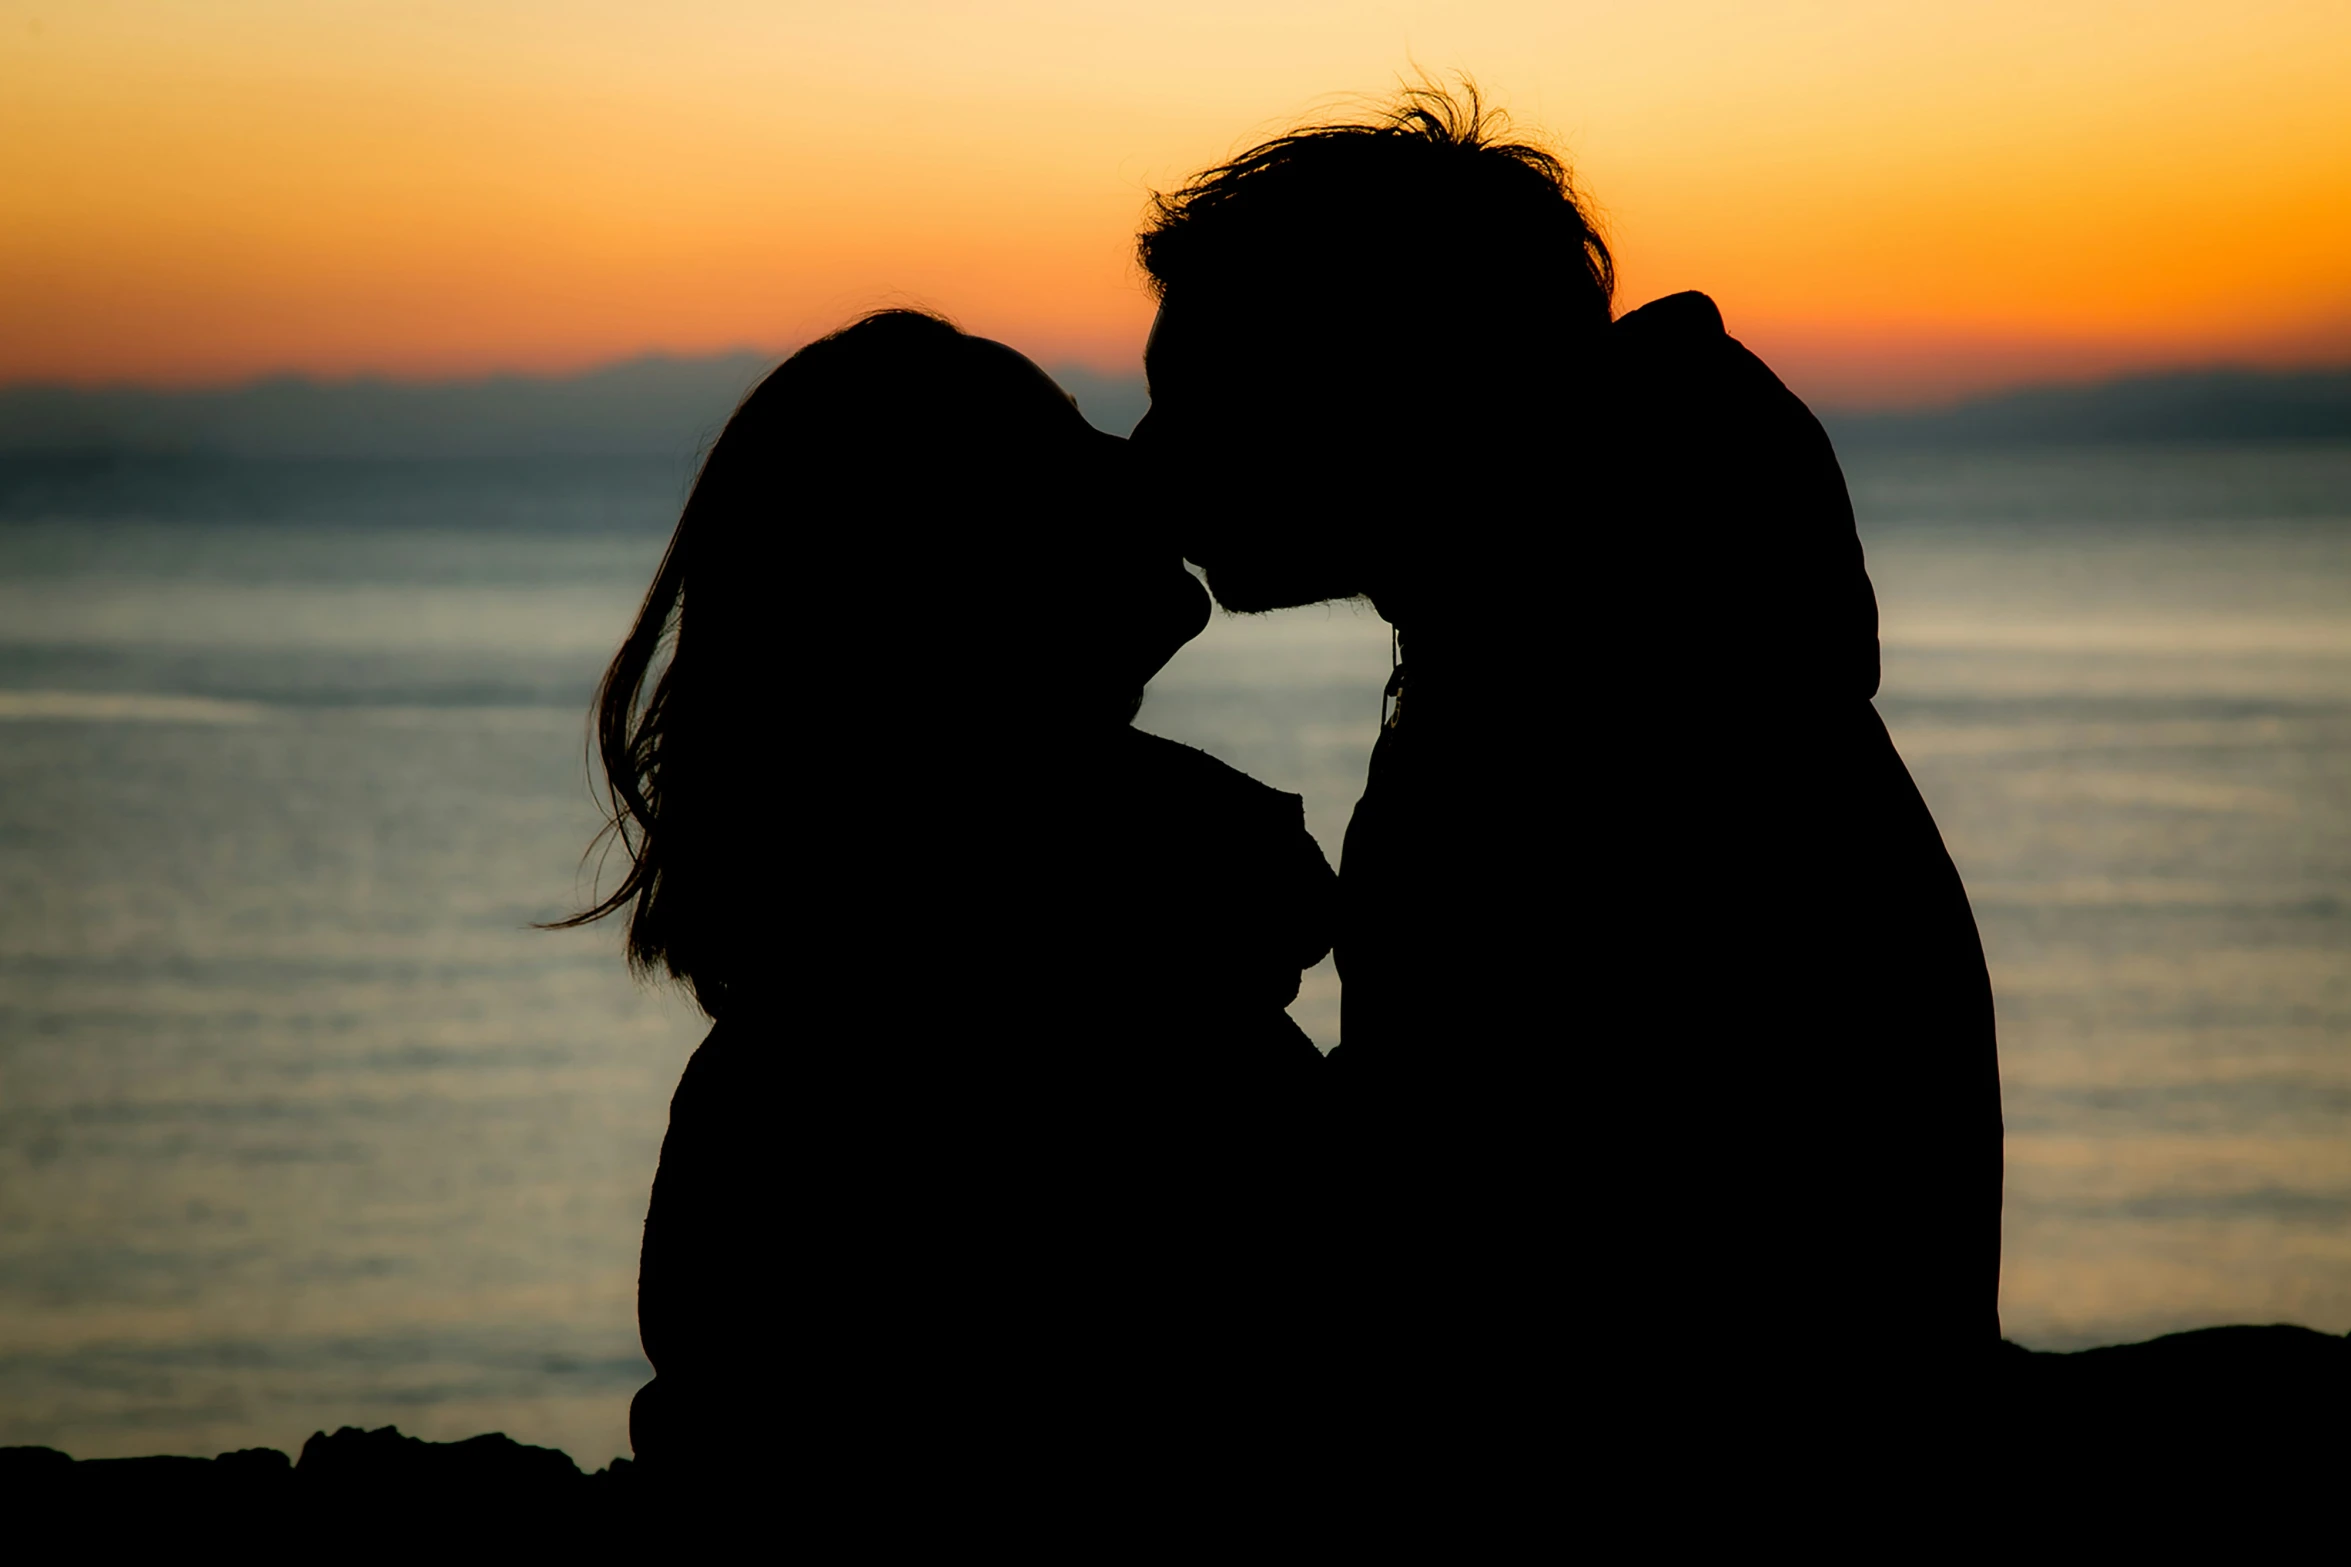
(645, 407)
(2174, 406)
(651, 407)
(670, 408)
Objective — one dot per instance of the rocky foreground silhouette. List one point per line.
(2248, 1427)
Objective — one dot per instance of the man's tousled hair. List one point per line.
(1435, 182)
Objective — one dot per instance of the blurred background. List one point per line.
(354, 359)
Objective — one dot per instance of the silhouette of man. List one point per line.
(1668, 1067)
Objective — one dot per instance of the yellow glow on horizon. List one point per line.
(1888, 200)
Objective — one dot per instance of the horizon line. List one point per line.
(1923, 402)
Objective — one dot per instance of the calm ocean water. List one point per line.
(301, 1125)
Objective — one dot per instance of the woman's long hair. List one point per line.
(754, 681)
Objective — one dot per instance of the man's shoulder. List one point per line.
(1683, 335)
(1689, 314)
(1679, 347)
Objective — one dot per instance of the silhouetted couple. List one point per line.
(1667, 1109)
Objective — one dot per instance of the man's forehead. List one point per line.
(1202, 330)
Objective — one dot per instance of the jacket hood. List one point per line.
(1719, 511)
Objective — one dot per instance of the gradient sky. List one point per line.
(1893, 201)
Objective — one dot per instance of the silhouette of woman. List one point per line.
(991, 1146)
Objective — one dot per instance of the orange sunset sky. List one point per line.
(1894, 202)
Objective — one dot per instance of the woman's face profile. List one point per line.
(1082, 553)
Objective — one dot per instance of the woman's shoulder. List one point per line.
(1227, 829)
(727, 1070)
(1175, 768)
(1239, 869)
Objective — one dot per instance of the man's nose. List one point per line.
(1141, 434)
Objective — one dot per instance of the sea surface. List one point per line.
(302, 1124)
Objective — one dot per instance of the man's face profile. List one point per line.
(1248, 429)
